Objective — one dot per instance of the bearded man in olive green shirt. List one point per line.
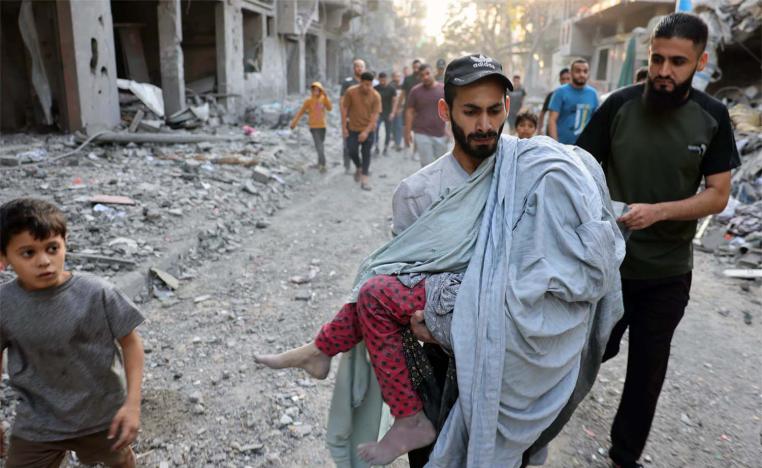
(656, 142)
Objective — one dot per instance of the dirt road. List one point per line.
(206, 403)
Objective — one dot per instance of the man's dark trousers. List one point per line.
(345, 154)
(652, 310)
(387, 122)
(354, 147)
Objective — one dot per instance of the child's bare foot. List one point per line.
(406, 434)
(307, 357)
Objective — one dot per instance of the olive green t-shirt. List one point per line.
(654, 157)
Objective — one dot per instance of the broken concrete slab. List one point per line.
(743, 273)
(261, 174)
(9, 161)
(163, 138)
(152, 126)
(168, 279)
(136, 121)
(112, 200)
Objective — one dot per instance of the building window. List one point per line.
(601, 72)
(253, 41)
(270, 26)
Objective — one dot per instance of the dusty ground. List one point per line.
(207, 404)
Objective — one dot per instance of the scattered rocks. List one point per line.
(303, 295)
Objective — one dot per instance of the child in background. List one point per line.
(60, 330)
(316, 106)
(526, 124)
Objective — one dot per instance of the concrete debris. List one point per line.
(147, 93)
(112, 200)
(136, 121)
(273, 115)
(261, 175)
(736, 19)
(150, 126)
(172, 282)
(743, 274)
(163, 138)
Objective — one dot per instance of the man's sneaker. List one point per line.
(385, 153)
(322, 169)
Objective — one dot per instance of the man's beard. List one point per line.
(577, 82)
(480, 152)
(660, 100)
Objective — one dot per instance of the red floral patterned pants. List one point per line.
(383, 307)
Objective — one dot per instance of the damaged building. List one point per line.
(63, 62)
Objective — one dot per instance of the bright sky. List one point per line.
(436, 15)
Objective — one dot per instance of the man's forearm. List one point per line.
(552, 128)
(409, 116)
(132, 348)
(540, 121)
(709, 201)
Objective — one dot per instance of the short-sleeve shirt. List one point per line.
(575, 106)
(387, 93)
(425, 101)
(651, 157)
(416, 193)
(63, 361)
(409, 82)
(361, 107)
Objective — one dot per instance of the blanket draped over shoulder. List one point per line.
(534, 231)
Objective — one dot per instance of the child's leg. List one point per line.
(97, 449)
(384, 307)
(337, 336)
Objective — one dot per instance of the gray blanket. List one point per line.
(548, 251)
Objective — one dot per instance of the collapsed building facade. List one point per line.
(61, 59)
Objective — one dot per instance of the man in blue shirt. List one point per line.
(572, 105)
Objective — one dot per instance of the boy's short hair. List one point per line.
(41, 218)
(563, 70)
(382, 75)
(528, 116)
(367, 76)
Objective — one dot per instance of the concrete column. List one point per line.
(171, 55)
(322, 57)
(302, 64)
(229, 33)
(86, 35)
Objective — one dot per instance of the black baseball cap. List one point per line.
(466, 70)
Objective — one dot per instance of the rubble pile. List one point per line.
(128, 205)
(736, 233)
(734, 20)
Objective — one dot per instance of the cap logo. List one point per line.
(482, 62)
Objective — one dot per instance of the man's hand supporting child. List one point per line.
(127, 420)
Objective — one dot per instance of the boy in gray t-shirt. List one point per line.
(61, 330)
